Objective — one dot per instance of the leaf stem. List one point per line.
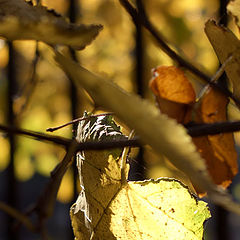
(124, 160)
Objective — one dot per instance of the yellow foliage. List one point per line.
(4, 156)
(65, 192)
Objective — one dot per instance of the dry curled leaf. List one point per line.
(22, 21)
(109, 209)
(163, 134)
(226, 45)
(174, 93)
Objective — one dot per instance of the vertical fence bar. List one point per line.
(222, 231)
(11, 181)
(137, 168)
(73, 11)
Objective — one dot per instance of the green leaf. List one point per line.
(22, 21)
(163, 134)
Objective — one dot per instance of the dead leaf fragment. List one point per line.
(174, 93)
(22, 21)
(226, 44)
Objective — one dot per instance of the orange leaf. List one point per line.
(175, 97)
(174, 93)
(218, 150)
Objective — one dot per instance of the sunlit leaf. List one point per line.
(226, 44)
(163, 134)
(108, 209)
(174, 93)
(21, 21)
(170, 84)
(233, 8)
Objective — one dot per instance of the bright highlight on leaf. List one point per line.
(108, 209)
(22, 21)
(233, 8)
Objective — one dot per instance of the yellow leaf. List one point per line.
(22, 21)
(108, 208)
(154, 209)
(226, 44)
(233, 7)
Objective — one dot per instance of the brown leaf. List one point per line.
(174, 93)
(226, 44)
(218, 150)
(175, 96)
(22, 21)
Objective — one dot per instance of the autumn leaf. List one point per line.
(163, 134)
(22, 21)
(109, 209)
(226, 45)
(174, 93)
(218, 150)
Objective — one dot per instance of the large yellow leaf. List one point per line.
(108, 208)
(21, 21)
(163, 134)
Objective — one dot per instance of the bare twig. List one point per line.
(77, 120)
(142, 19)
(46, 201)
(36, 135)
(17, 215)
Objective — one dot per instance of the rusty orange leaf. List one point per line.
(176, 98)
(218, 150)
(174, 93)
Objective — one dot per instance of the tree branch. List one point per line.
(46, 201)
(141, 18)
(17, 215)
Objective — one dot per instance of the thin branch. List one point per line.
(46, 201)
(77, 120)
(198, 130)
(17, 215)
(142, 19)
(36, 135)
(194, 130)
